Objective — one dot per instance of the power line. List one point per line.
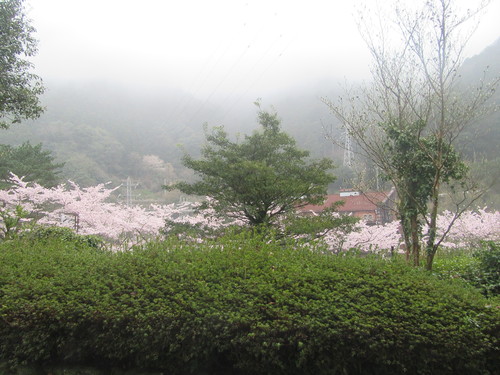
(252, 69)
(202, 79)
(230, 71)
(269, 66)
(206, 73)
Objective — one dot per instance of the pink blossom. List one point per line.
(89, 211)
(467, 230)
(366, 237)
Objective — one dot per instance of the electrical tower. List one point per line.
(129, 192)
(348, 154)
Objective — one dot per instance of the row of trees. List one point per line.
(90, 212)
(406, 122)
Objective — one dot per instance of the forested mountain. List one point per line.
(483, 138)
(108, 133)
(105, 133)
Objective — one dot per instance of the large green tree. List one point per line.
(19, 87)
(35, 164)
(258, 178)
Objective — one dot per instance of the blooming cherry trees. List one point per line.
(367, 237)
(89, 211)
(471, 227)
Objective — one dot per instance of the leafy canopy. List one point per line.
(19, 88)
(414, 160)
(417, 163)
(31, 162)
(258, 178)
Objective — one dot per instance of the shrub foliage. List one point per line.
(238, 305)
(488, 273)
(479, 267)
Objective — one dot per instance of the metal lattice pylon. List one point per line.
(128, 196)
(348, 154)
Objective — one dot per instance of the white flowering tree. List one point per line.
(468, 230)
(89, 211)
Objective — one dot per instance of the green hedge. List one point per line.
(478, 266)
(240, 305)
(486, 276)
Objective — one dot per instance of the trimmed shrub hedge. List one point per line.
(239, 305)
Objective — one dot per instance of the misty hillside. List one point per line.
(108, 133)
(483, 138)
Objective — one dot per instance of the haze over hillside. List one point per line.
(106, 133)
(102, 131)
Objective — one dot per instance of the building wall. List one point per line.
(368, 215)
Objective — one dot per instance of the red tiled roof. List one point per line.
(362, 202)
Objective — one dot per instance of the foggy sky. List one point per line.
(221, 49)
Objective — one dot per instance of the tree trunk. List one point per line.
(430, 260)
(410, 226)
(415, 243)
(432, 233)
(406, 234)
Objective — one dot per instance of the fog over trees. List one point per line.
(102, 131)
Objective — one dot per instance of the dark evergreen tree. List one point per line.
(258, 178)
(31, 162)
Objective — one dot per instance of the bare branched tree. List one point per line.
(408, 118)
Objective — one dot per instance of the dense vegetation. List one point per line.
(479, 267)
(241, 301)
(241, 304)
(31, 162)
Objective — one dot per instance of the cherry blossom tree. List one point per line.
(90, 211)
(467, 231)
(470, 228)
(368, 237)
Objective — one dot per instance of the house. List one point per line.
(373, 207)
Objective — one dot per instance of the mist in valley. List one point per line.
(126, 100)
